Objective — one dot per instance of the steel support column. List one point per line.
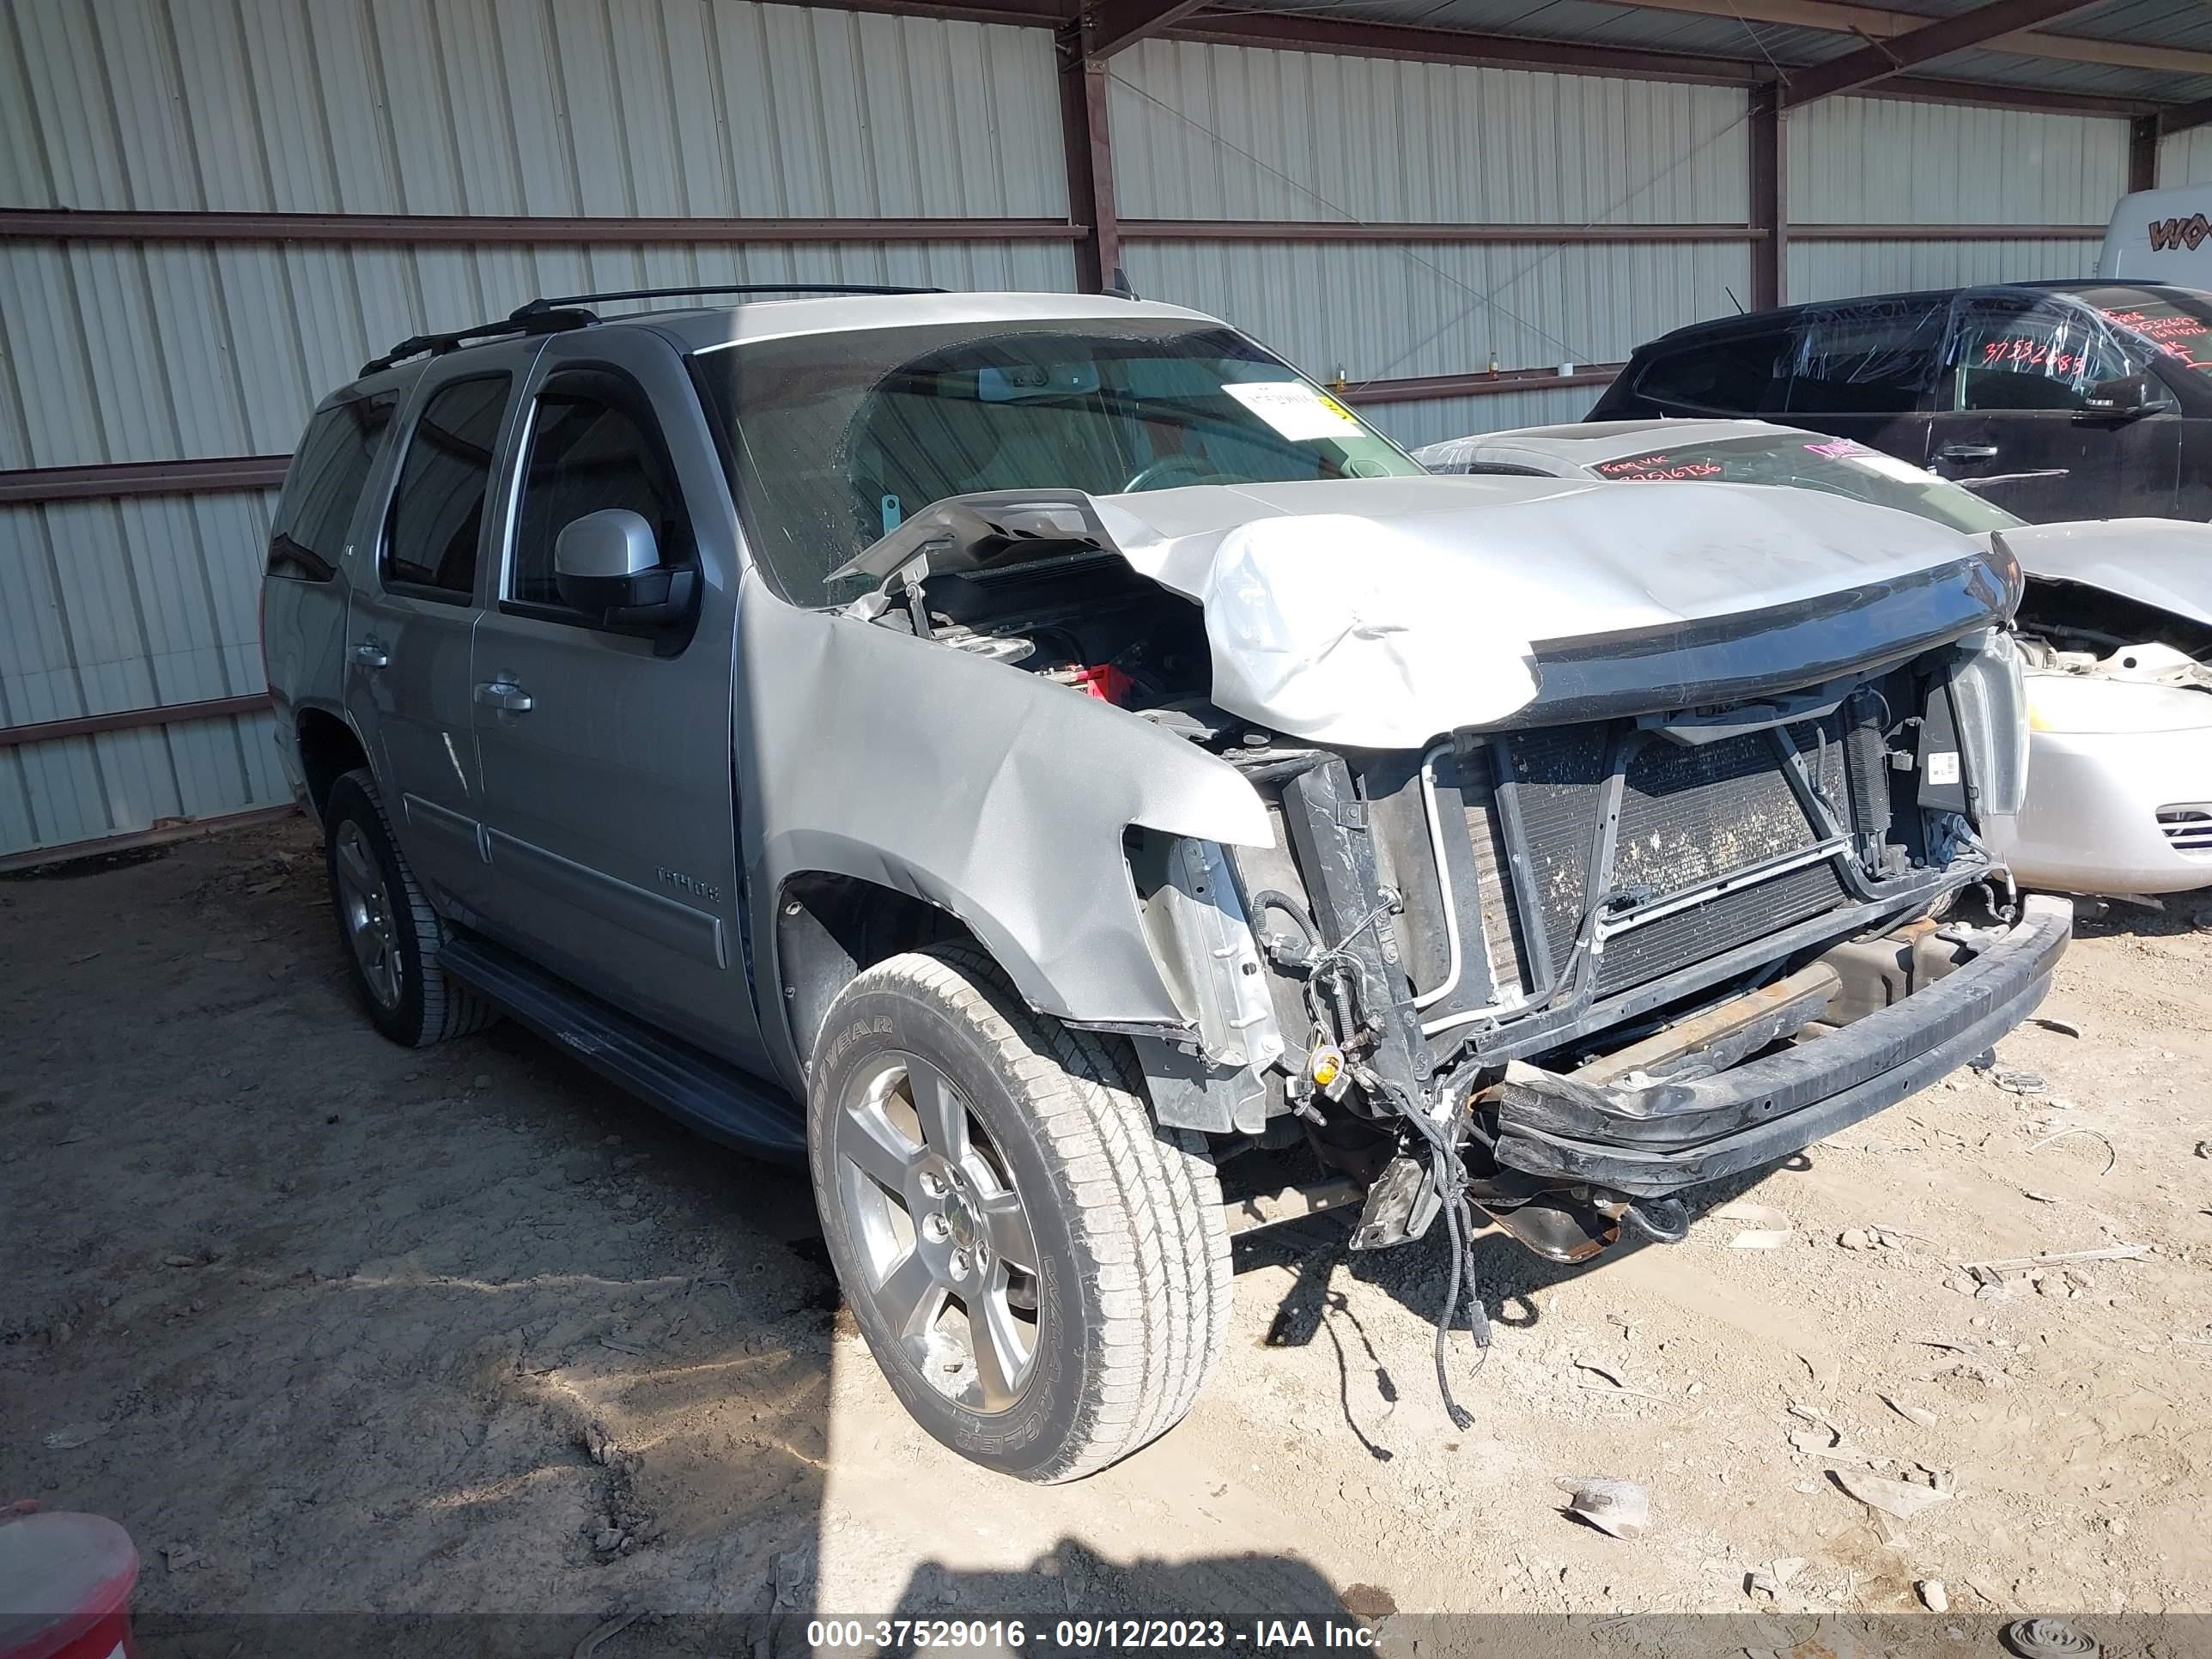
(1769, 204)
(1090, 163)
(2142, 153)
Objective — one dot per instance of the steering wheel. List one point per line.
(1149, 476)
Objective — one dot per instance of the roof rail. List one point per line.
(540, 308)
(547, 320)
(563, 311)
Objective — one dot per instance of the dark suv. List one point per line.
(2059, 400)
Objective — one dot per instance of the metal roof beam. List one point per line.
(2180, 118)
(1883, 58)
(1877, 23)
(1314, 32)
(1111, 25)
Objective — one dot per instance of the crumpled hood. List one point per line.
(1380, 612)
(1563, 558)
(2165, 563)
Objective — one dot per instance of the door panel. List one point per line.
(409, 634)
(2015, 426)
(2049, 464)
(611, 823)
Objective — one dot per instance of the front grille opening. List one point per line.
(1690, 815)
(2188, 829)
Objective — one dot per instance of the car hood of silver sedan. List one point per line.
(2165, 563)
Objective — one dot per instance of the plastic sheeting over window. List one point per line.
(1874, 358)
(2009, 352)
(1995, 347)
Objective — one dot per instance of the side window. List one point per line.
(2023, 356)
(593, 444)
(324, 485)
(436, 522)
(1736, 375)
(1866, 360)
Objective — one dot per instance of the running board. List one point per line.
(709, 1095)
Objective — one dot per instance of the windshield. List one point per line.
(2180, 325)
(840, 438)
(1835, 465)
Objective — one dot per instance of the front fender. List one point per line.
(992, 793)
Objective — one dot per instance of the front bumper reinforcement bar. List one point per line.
(1661, 1137)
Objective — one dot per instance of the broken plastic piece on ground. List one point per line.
(1989, 1272)
(1765, 1228)
(2112, 1156)
(1909, 1411)
(1621, 1507)
(1894, 1497)
(2020, 1083)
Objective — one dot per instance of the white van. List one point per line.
(2161, 236)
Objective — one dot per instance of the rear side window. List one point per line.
(1868, 360)
(324, 485)
(436, 525)
(1738, 375)
(592, 446)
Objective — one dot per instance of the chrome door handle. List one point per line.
(505, 695)
(1967, 453)
(369, 654)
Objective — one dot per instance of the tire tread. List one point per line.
(1146, 1215)
(450, 1009)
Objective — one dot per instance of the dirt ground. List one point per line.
(331, 1326)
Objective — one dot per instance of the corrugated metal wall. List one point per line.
(1216, 133)
(113, 352)
(1436, 419)
(2186, 158)
(1866, 161)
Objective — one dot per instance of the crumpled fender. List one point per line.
(992, 793)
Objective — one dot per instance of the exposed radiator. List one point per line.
(1690, 814)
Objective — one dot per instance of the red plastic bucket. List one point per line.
(65, 1588)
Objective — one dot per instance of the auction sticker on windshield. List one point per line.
(1295, 410)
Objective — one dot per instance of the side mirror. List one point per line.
(2125, 398)
(607, 565)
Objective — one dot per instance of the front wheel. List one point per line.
(1040, 1271)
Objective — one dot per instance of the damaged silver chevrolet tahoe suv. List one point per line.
(1019, 752)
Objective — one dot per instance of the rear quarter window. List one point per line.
(324, 484)
(1741, 374)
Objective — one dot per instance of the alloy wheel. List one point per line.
(949, 1255)
(365, 909)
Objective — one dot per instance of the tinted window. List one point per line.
(592, 445)
(2021, 355)
(1736, 375)
(437, 514)
(839, 438)
(1867, 359)
(324, 484)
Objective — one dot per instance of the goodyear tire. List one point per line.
(1040, 1271)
